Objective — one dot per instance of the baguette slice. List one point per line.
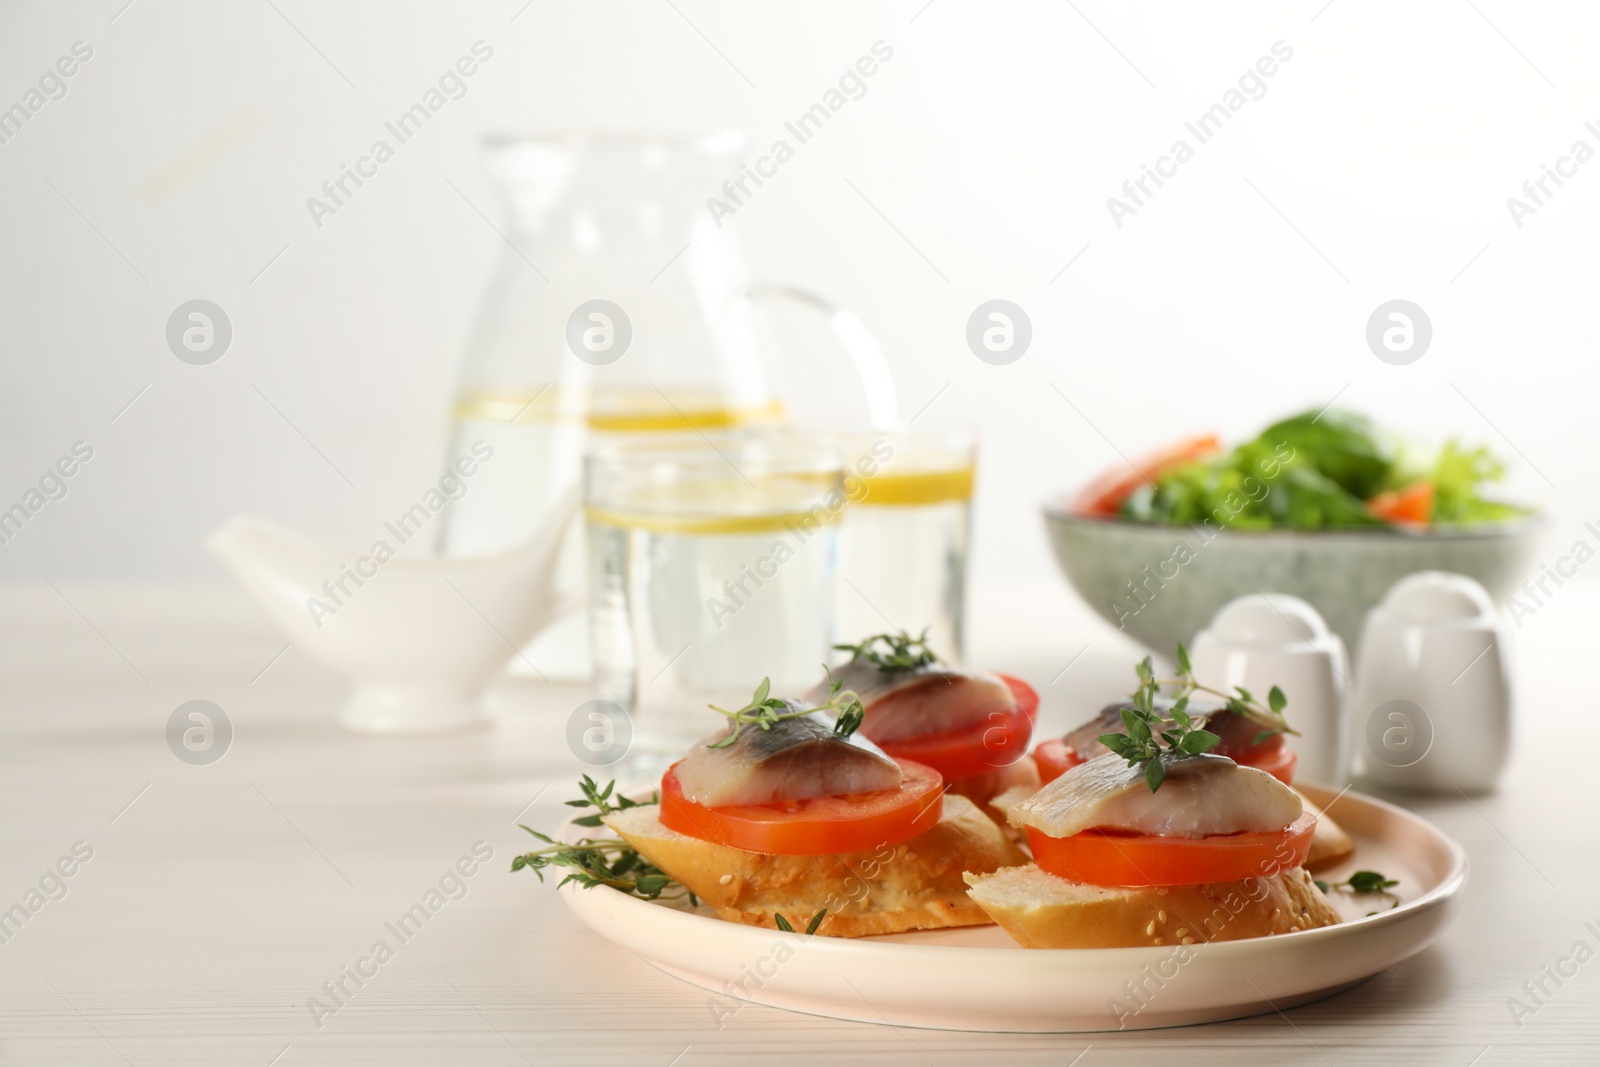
(915, 885)
(1329, 841)
(1040, 910)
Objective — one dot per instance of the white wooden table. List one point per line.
(219, 899)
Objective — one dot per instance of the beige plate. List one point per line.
(977, 978)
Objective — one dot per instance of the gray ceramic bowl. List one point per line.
(1162, 584)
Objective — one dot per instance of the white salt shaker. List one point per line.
(1432, 711)
(1273, 639)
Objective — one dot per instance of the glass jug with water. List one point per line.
(618, 308)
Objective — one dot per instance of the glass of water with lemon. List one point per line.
(712, 563)
(904, 540)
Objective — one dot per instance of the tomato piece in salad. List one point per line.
(1111, 858)
(818, 826)
(998, 740)
(1414, 503)
(1105, 495)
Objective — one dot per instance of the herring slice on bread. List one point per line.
(1205, 850)
(789, 811)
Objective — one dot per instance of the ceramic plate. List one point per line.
(977, 978)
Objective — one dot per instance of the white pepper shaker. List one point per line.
(1265, 640)
(1433, 701)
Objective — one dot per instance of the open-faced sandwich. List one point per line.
(789, 812)
(1159, 840)
(973, 727)
(1248, 732)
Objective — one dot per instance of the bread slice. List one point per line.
(1040, 910)
(1329, 842)
(915, 885)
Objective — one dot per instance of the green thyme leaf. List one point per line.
(1370, 882)
(783, 924)
(1154, 773)
(1365, 882)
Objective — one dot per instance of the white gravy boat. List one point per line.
(420, 638)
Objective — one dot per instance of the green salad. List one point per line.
(1313, 471)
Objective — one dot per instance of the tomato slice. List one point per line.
(1279, 762)
(819, 826)
(1055, 757)
(1414, 503)
(1111, 858)
(998, 740)
(1106, 493)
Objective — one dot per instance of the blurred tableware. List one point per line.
(419, 638)
(1160, 584)
(903, 545)
(1261, 641)
(617, 307)
(1433, 703)
(712, 564)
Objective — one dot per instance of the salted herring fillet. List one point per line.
(795, 759)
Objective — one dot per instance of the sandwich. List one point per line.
(788, 812)
(1215, 854)
(1247, 732)
(1158, 841)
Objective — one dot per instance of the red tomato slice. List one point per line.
(1414, 503)
(1106, 493)
(1279, 762)
(1110, 858)
(1055, 757)
(998, 740)
(820, 826)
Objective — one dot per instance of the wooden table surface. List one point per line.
(217, 900)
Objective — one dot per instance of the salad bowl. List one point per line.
(1323, 505)
(1162, 584)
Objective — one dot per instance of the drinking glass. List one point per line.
(903, 543)
(711, 565)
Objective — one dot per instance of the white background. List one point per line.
(991, 141)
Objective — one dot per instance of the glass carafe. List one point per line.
(618, 307)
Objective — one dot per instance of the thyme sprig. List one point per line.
(766, 711)
(1148, 728)
(1361, 882)
(594, 861)
(1241, 701)
(904, 652)
(811, 927)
